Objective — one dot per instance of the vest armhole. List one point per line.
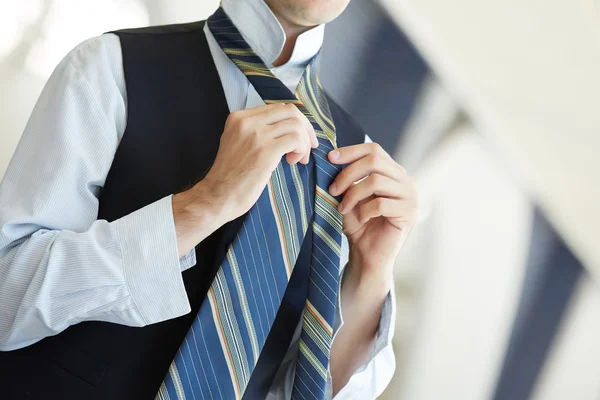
(353, 133)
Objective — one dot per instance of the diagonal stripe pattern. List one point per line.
(224, 342)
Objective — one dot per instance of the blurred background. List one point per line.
(494, 108)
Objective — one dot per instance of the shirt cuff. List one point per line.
(338, 320)
(151, 262)
(385, 331)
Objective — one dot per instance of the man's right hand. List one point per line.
(251, 147)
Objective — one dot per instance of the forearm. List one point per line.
(197, 214)
(362, 298)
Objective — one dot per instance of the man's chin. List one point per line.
(308, 13)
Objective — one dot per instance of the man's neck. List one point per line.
(292, 31)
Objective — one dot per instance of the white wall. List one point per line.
(527, 74)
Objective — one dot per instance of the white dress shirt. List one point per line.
(59, 265)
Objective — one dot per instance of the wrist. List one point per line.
(368, 283)
(370, 269)
(203, 201)
(196, 215)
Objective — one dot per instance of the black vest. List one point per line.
(176, 114)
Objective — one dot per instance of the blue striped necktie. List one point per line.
(223, 345)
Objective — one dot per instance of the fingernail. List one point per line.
(332, 188)
(341, 207)
(335, 155)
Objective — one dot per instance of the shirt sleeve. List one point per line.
(59, 265)
(370, 379)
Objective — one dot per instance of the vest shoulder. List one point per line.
(191, 27)
(349, 132)
(161, 45)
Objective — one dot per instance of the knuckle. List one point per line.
(375, 148)
(373, 162)
(349, 195)
(301, 140)
(298, 135)
(375, 180)
(244, 125)
(233, 118)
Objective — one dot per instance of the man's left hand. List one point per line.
(379, 206)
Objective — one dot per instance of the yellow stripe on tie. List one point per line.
(257, 73)
(177, 381)
(295, 102)
(315, 101)
(239, 285)
(322, 321)
(331, 242)
(317, 333)
(246, 66)
(163, 393)
(329, 130)
(314, 361)
(318, 110)
(329, 214)
(240, 52)
(223, 339)
(300, 189)
(280, 231)
(326, 196)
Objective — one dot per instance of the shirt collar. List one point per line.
(263, 32)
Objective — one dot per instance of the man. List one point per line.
(149, 195)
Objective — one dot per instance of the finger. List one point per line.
(350, 154)
(296, 127)
(310, 129)
(306, 156)
(267, 112)
(274, 113)
(314, 142)
(270, 114)
(311, 135)
(365, 166)
(374, 185)
(256, 118)
(294, 144)
(380, 207)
